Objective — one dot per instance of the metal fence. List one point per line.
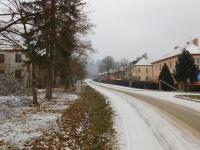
(138, 84)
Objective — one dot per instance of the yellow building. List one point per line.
(142, 70)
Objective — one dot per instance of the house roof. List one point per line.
(193, 49)
(143, 62)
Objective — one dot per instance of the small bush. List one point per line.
(9, 86)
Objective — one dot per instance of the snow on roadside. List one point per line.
(20, 122)
(141, 127)
(11, 105)
(19, 132)
(167, 96)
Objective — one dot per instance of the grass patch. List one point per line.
(87, 124)
(196, 97)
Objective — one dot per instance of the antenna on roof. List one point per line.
(145, 55)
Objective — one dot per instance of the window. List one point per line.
(18, 58)
(147, 70)
(1, 71)
(147, 78)
(139, 78)
(2, 58)
(138, 69)
(170, 64)
(160, 66)
(18, 74)
(197, 61)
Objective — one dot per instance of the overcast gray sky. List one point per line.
(129, 28)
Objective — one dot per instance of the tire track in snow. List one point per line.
(186, 116)
(143, 126)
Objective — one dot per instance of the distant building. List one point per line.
(128, 70)
(127, 73)
(102, 76)
(117, 75)
(142, 70)
(171, 58)
(139, 70)
(11, 63)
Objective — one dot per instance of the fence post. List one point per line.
(78, 87)
(130, 83)
(160, 86)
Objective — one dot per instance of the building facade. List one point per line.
(127, 73)
(117, 75)
(171, 58)
(142, 70)
(11, 64)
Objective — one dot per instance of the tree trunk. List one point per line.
(65, 77)
(49, 78)
(65, 84)
(34, 83)
(51, 51)
(54, 78)
(67, 73)
(29, 77)
(72, 82)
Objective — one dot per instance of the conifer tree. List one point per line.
(54, 28)
(166, 76)
(186, 68)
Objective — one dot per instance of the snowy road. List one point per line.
(148, 120)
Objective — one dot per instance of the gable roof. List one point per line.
(193, 49)
(143, 62)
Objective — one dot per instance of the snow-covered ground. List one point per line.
(140, 126)
(20, 122)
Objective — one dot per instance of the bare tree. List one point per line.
(108, 64)
(52, 28)
(123, 62)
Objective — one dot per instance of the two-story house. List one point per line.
(11, 64)
(142, 70)
(172, 57)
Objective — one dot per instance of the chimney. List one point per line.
(196, 42)
(176, 47)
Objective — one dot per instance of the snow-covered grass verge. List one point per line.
(20, 122)
(195, 98)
